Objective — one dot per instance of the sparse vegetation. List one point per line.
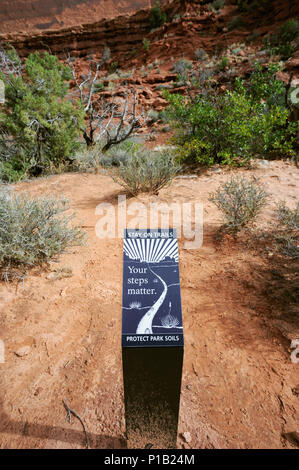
(236, 23)
(34, 230)
(157, 16)
(146, 44)
(216, 5)
(287, 232)
(224, 62)
(200, 54)
(145, 171)
(240, 200)
(280, 43)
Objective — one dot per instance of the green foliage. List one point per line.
(113, 66)
(265, 86)
(146, 44)
(153, 115)
(233, 127)
(216, 5)
(288, 229)
(224, 62)
(120, 153)
(280, 43)
(145, 171)
(38, 125)
(240, 200)
(250, 5)
(34, 230)
(157, 16)
(236, 23)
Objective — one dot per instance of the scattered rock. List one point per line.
(186, 177)
(261, 53)
(162, 148)
(187, 436)
(23, 351)
(262, 164)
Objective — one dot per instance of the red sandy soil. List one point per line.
(239, 388)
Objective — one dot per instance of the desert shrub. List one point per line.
(224, 62)
(265, 86)
(145, 171)
(236, 23)
(240, 200)
(181, 68)
(216, 5)
(119, 154)
(287, 229)
(34, 230)
(280, 43)
(157, 16)
(232, 127)
(87, 158)
(200, 54)
(113, 66)
(146, 44)
(38, 124)
(153, 115)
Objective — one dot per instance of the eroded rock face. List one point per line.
(40, 15)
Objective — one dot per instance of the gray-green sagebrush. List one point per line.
(33, 230)
(240, 200)
(145, 171)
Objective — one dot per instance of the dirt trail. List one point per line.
(240, 388)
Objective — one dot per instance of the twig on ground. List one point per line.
(68, 418)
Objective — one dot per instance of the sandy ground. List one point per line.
(239, 388)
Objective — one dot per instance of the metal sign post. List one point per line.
(152, 337)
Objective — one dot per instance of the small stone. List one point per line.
(163, 148)
(186, 176)
(262, 164)
(23, 351)
(52, 276)
(187, 436)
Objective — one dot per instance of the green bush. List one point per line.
(216, 5)
(287, 229)
(146, 44)
(120, 153)
(224, 62)
(34, 230)
(280, 43)
(145, 171)
(38, 124)
(236, 23)
(233, 127)
(240, 200)
(157, 16)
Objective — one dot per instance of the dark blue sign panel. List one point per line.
(151, 311)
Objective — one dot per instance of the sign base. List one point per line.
(152, 383)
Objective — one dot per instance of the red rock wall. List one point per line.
(37, 15)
